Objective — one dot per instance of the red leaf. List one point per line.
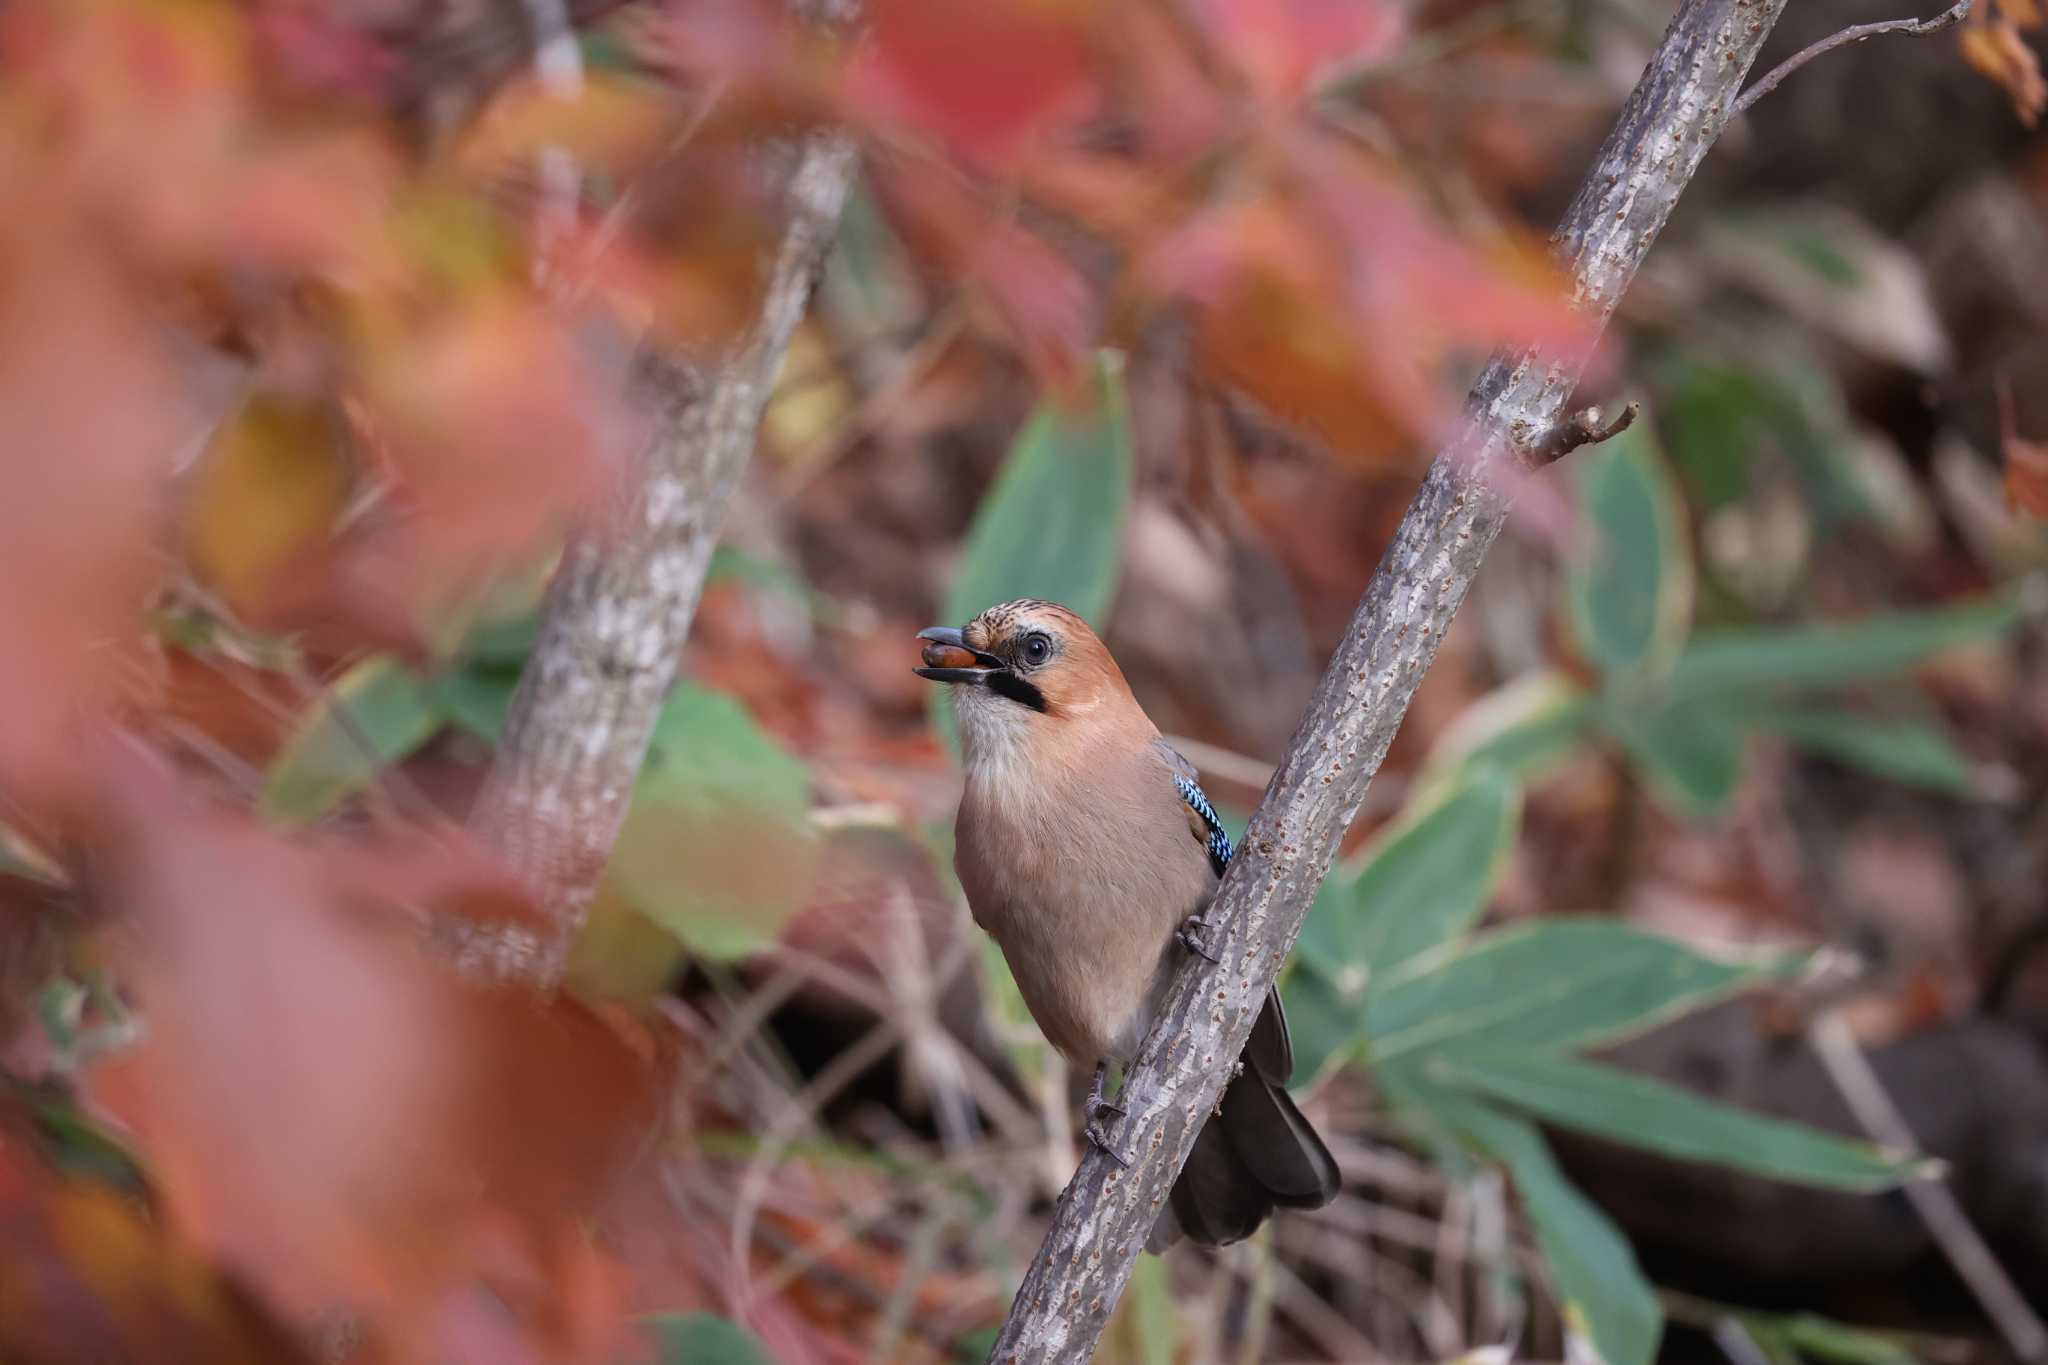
(987, 79)
(1284, 46)
(1340, 303)
(336, 1116)
(1034, 293)
(94, 413)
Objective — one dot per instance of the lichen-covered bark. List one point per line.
(619, 607)
(1670, 121)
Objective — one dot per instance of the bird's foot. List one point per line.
(1193, 937)
(1098, 1107)
(1103, 1143)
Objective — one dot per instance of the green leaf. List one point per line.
(1690, 752)
(1909, 751)
(1607, 1302)
(1768, 1338)
(717, 847)
(1714, 418)
(1826, 655)
(1648, 1113)
(477, 698)
(1792, 1337)
(1825, 1339)
(869, 279)
(731, 564)
(1631, 593)
(1052, 525)
(1555, 984)
(1424, 881)
(1322, 1022)
(706, 1339)
(1519, 730)
(375, 714)
(503, 641)
(1141, 1330)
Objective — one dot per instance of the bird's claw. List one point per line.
(1102, 1143)
(1098, 1106)
(1191, 934)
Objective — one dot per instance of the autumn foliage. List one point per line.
(317, 319)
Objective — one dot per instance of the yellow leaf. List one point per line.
(266, 495)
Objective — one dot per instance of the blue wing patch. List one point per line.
(1218, 842)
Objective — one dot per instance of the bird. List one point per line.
(1089, 852)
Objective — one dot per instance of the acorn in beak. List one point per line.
(948, 658)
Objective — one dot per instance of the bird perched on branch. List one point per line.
(1089, 852)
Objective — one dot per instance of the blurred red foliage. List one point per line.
(333, 1116)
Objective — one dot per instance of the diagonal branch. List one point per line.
(621, 602)
(1670, 121)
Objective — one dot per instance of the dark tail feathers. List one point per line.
(1256, 1154)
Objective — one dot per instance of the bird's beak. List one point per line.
(948, 658)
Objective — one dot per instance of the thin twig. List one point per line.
(1936, 1204)
(1855, 33)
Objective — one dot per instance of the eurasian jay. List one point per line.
(1088, 852)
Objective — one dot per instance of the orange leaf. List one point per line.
(1994, 46)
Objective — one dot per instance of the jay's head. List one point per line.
(1019, 663)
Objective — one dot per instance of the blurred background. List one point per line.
(1702, 895)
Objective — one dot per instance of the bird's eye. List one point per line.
(1037, 648)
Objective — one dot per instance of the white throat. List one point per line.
(993, 733)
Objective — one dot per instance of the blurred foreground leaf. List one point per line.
(267, 493)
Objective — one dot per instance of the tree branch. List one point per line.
(1855, 33)
(1670, 121)
(621, 602)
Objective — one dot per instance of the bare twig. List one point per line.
(1936, 1204)
(621, 602)
(1670, 121)
(1583, 428)
(1855, 33)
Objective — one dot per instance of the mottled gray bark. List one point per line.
(619, 607)
(1670, 121)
